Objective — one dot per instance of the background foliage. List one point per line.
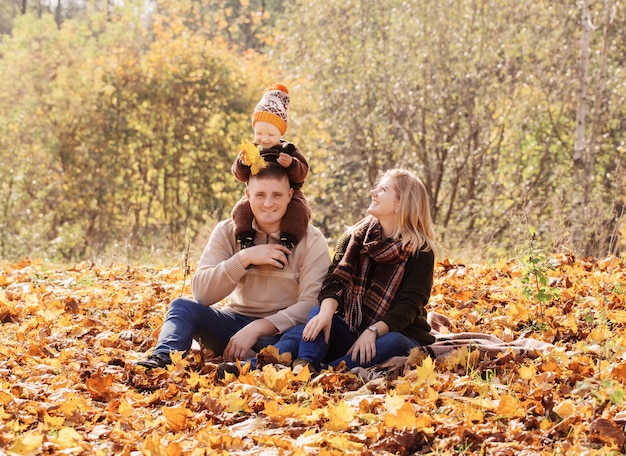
(118, 125)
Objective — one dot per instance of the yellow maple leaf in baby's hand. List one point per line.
(251, 157)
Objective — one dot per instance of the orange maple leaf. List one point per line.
(176, 417)
(510, 407)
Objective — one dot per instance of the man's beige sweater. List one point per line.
(282, 296)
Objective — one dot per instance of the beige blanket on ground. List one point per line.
(447, 343)
(488, 344)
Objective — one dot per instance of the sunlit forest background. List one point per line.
(119, 120)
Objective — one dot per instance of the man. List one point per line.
(271, 289)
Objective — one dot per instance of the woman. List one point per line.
(372, 303)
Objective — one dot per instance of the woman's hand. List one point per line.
(321, 322)
(364, 349)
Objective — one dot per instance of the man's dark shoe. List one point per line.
(223, 368)
(299, 364)
(153, 361)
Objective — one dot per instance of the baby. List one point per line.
(269, 121)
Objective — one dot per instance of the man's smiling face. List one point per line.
(269, 198)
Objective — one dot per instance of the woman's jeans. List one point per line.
(321, 354)
(215, 326)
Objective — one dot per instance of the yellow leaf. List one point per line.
(422, 421)
(53, 421)
(251, 157)
(473, 415)
(599, 333)
(194, 379)
(125, 409)
(304, 375)
(431, 395)
(527, 372)
(393, 403)
(342, 443)
(271, 407)
(617, 316)
(426, 372)
(275, 441)
(565, 408)
(459, 357)
(276, 380)
(517, 311)
(510, 407)
(339, 417)
(27, 444)
(5, 398)
(152, 446)
(270, 355)
(177, 359)
(72, 403)
(405, 418)
(545, 424)
(236, 403)
(481, 402)
(100, 386)
(68, 438)
(174, 449)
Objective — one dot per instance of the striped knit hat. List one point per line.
(273, 108)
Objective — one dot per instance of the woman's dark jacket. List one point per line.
(407, 312)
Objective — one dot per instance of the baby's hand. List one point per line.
(285, 160)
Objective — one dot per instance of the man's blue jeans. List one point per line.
(215, 326)
(321, 354)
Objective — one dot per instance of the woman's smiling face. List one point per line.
(384, 200)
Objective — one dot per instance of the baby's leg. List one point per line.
(295, 221)
(242, 220)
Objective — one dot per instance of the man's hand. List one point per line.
(270, 254)
(240, 345)
(284, 160)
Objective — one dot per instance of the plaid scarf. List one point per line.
(367, 299)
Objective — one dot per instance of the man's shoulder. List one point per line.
(312, 247)
(224, 226)
(313, 239)
(314, 232)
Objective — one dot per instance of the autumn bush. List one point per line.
(69, 334)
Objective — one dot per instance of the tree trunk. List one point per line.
(582, 154)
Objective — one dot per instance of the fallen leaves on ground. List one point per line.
(69, 335)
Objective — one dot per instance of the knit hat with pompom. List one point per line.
(273, 108)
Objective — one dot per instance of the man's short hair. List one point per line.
(272, 170)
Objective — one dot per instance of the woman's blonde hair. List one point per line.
(414, 224)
